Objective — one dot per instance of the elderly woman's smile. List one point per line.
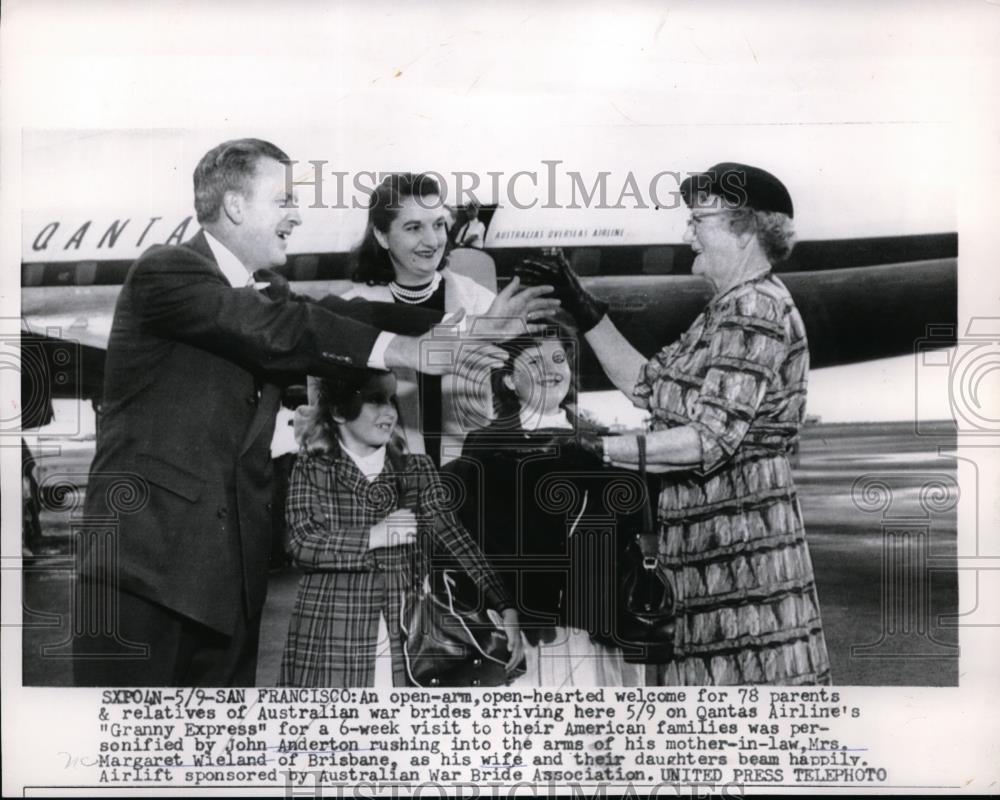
(722, 256)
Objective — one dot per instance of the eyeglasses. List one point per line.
(696, 219)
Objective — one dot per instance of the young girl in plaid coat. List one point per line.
(361, 516)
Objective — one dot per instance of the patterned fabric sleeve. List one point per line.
(437, 509)
(744, 359)
(649, 374)
(315, 539)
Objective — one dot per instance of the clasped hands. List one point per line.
(539, 289)
(554, 270)
(613, 450)
(468, 346)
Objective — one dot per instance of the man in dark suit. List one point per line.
(173, 562)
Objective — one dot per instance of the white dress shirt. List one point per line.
(237, 275)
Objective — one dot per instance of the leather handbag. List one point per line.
(450, 640)
(646, 607)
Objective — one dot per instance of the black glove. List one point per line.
(555, 271)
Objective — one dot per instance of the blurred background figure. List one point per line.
(36, 411)
(471, 232)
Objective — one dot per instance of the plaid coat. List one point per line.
(331, 508)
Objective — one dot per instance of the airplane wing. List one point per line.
(851, 315)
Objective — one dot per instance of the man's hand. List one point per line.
(555, 270)
(516, 311)
(512, 628)
(444, 353)
(399, 528)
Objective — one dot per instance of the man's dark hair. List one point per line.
(228, 167)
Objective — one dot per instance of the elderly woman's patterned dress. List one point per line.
(731, 530)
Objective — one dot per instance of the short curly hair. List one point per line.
(775, 231)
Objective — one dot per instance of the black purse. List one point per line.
(450, 640)
(448, 636)
(646, 603)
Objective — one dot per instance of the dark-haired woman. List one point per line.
(403, 258)
(359, 513)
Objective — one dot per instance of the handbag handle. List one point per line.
(449, 584)
(647, 539)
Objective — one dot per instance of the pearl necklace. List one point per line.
(415, 296)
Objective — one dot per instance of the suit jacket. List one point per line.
(182, 470)
(466, 403)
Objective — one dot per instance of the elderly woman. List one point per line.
(727, 400)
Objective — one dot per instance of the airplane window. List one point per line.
(658, 260)
(586, 260)
(304, 268)
(84, 273)
(31, 274)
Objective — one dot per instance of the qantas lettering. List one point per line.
(109, 237)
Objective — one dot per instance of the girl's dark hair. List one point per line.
(506, 403)
(372, 262)
(342, 396)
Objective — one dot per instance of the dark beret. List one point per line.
(739, 186)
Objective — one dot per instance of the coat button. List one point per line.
(477, 662)
(267, 507)
(222, 513)
(435, 682)
(475, 681)
(251, 399)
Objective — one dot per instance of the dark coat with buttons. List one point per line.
(178, 497)
(553, 520)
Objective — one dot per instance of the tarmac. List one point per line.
(888, 594)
